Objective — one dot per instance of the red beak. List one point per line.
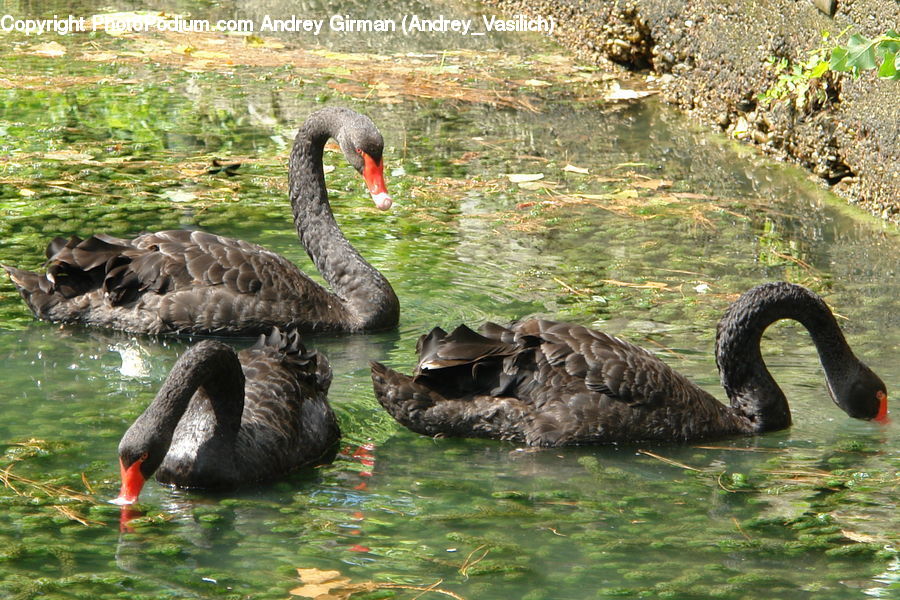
(373, 173)
(132, 482)
(882, 416)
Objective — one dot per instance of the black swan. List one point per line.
(192, 282)
(543, 383)
(223, 419)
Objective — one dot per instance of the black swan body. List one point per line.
(222, 419)
(193, 282)
(544, 383)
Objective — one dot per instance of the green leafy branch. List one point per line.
(859, 55)
(862, 54)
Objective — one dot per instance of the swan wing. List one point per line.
(177, 281)
(568, 356)
(287, 421)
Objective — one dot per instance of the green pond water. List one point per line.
(670, 223)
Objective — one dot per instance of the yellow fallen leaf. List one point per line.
(593, 196)
(343, 56)
(210, 55)
(862, 538)
(574, 169)
(317, 575)
(691, 196)
(617, 93)
(318, 591)
(48, 49)
(335, 70)
(26, 192)
(318, 584)
(67, 155)
(523, 177)
(652, 184)
(179, 196)
(538, 185)
(98, 56)
(649, 285)
(623, 194)
(536, 83)
(254, 41)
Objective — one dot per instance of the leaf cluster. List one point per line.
(862, 54)
(858, 55)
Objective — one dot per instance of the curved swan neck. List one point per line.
(363, 293)
(210, 366)
(753, 392)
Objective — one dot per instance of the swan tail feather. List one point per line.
(305, 363)
(407, 400)
(35, 289)
(417, 405)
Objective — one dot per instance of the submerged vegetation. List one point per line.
(526, 184)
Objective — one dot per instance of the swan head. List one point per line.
(862, 396)
(138, 460)
(363, 146)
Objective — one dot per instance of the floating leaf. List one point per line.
(652, 184)
(254, 41)
(524, 177)
(593, 196)
(538, 185)
(335, 70)
(49, 49)
(617, 93)
(692, 196)
(210, 55)
(98, 56)
(179, 195)
(319, 584)
(184, 49)
(862, 538)
(317, 575)
(623, 194)
(67, 155)
(330, 585)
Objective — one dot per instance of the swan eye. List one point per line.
(359, 151)
(143, 457)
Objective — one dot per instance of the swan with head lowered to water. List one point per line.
(544, 383)
(223, 419)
